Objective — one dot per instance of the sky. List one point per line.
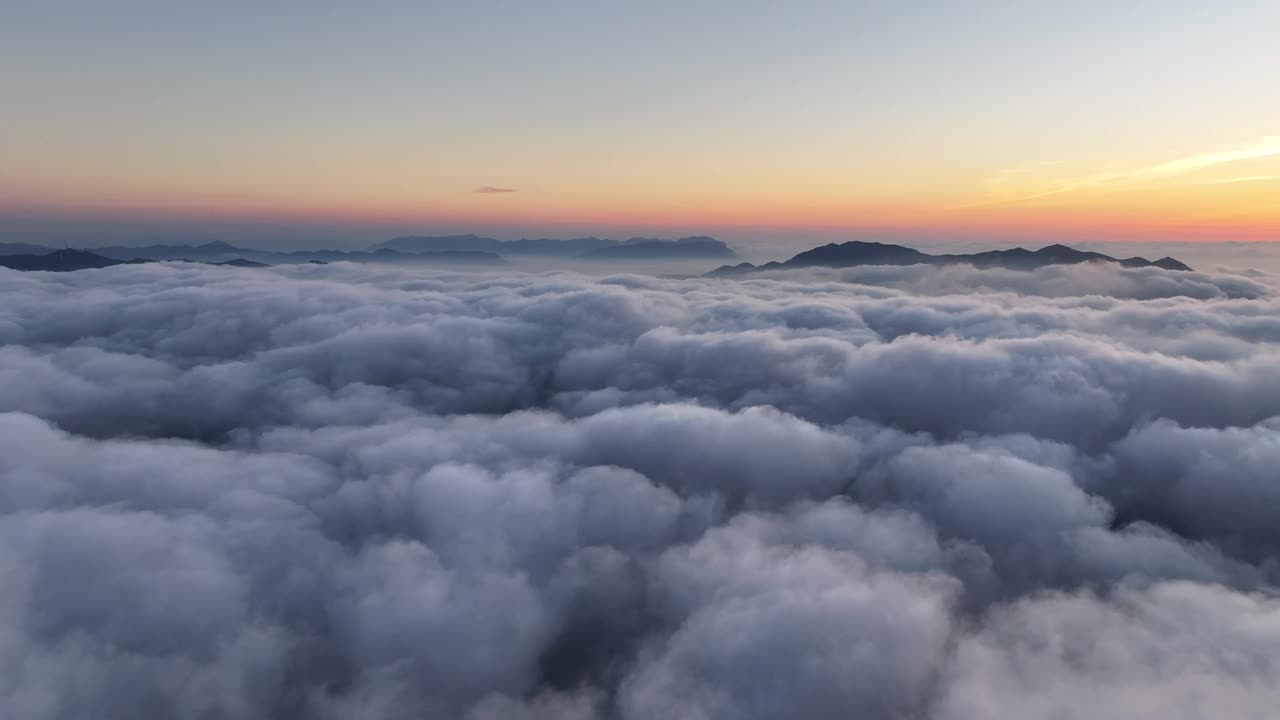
(338, 124)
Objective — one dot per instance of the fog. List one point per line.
(345, 491)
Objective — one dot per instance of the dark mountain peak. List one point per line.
(858, 252)
(242, 263)
(1169, 263)
(215, 245)
(739, 269)
(1058, 249)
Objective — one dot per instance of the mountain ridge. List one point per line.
(219, 251)
(62, 261)
(460, 248)
(70, 259)
(859, 252)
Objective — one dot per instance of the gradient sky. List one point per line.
(290, 121)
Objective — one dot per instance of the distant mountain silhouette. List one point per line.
(552, 246)
(64, 260)
(215, 250)
(590, 248)
(698, 246)
(385, 255)
(61, 261)
(67, 260)
(439, 243)
(466, 249)
(855, 253)
(219, 252)
(859, 253)
(241, 262)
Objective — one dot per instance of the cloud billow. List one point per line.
(349, 491)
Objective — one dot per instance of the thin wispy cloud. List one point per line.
(1266, 147)
(491, 190)
(1250, 178)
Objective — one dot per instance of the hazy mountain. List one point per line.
(872, 253)
(215, 250)
(593, 248)
(219, 252)
(651, 249)
(440, 243)
(384, 255)
(553, 246)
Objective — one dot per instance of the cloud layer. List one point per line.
(351, 492)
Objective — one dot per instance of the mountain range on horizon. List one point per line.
(447, 248)
(69, 259)
(857, 252)
(834, 255)
(218, 251)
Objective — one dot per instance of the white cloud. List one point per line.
(344, 491)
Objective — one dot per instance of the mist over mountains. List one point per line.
(222, 252)
(472, 250)
(60, 260)
(449, 249)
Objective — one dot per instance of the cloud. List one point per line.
(351, 491)
(1265, 147)
(491, 190)
(1153, 652)
(1248, 178)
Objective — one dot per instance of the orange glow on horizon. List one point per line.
(1051, 223)
(1214, 195)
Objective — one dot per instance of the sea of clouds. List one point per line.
(927, 493)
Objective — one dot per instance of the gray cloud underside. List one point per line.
(896, 492)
